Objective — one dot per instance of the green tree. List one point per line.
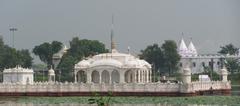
(1, 41)
(10, 57)
(46, 50)
(232, 64)
(164, 58)
(171, 56)
(79, 49)
(25, 58)
(228, 49)
(153, 54)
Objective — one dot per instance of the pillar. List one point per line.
(75, 76)
(135, 76)
(186, 76)
(89, 76)
(150, 75)
(139, 76)
(122, 76)
(147, 76)
(224, 74)
(110, 77)
(100, 77)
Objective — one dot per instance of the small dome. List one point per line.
(137, 63)
(83, 64)
(51, 72)
(132, 63)
(109, 62)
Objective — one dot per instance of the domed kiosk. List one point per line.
(113, 67)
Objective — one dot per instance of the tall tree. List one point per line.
(228, 49)
(77, 51)
(25, 58)
(232, 64)
(164, 58)
(46, 50)
(153, 54)
(10, 57)
(171, 55)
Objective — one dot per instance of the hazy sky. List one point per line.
(138, 23)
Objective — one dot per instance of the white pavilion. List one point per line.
(18, 75)
(113, 67)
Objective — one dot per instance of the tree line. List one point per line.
(163, 58)
(10, 57)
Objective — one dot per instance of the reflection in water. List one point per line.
(19, 104)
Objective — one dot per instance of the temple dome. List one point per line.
(83, 64)
(108, 62)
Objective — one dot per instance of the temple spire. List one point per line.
(182, 49)
(192, 49)
(113, 46)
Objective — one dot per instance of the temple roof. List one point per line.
(182, 49)
(115, 59)
(192, 49)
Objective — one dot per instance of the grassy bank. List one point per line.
(220, 100)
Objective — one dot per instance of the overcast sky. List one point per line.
(138, 23)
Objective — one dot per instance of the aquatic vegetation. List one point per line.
(210, 100)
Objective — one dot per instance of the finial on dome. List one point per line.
(113, 45)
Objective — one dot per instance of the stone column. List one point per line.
(135, 76)
(100, 77)
(147, 76)
(110, 77)
(75, 76)
(89, 76)
(150, 75)
(138, 76)
(186, 75)
(122, 76)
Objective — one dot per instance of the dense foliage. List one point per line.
(10, 57)
(46, 50)
(164, 59)
(79, 49)
(232, 64)
(228, 49)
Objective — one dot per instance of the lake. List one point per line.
(123, 101)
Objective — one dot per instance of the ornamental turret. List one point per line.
(51, 75)
(186, 74)
(224, 74)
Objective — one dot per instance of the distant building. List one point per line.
(200, 62)
(18, 75)
(58, 56)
